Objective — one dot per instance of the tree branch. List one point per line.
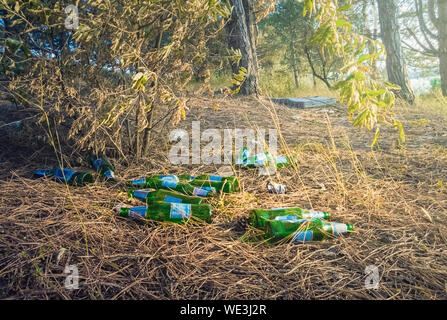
(425, 30)
(425, 53)
(431, 50)
(431, 12)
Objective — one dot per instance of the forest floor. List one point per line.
(395, 197)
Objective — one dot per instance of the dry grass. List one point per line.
(392, 196)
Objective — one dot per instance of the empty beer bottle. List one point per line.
(264, 159)
(209, 177)
(178, 212)
(103, 167)
(171, 183)
(224, 186)
(233, 180)
(168, 212)
(134, 212)
(163, 196)
(304, 230)
(259, 217)
(245, 159)
(154, 180)
(65, 175)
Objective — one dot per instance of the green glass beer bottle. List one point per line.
(258, 216)
(162, 195)
(178, 212)
(172, 184)
(224, 186)
(65, 175)
(232, 180)
(304, 230)
(245, 159)
(154, 179)
(168, 212)
(209, 177)
(138, 213)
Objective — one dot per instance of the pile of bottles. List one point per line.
(246, 159)
(176, 198)
(296, 224)
(73, 177)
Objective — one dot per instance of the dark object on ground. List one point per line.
(277, 188)
(307, 102)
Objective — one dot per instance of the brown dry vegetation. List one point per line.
(395, 198)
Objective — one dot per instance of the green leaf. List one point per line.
(375, 137)
(342, 23)
(359, 76)
(392, 86)
(365, 57)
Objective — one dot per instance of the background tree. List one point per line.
(395, 63)
(98, 87)
(430, 36)
(241, 35)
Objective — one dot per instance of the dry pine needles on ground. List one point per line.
(395, 198)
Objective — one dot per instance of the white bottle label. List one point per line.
(314, 214)
(180, 210)
(169, 181)
(339, 228)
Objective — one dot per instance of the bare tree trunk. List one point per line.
(294, 65)
(442, 13)
(150, 114)
(295, 75)
(137, 144)
(395, 64)
(241, 35)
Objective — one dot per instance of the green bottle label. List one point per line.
(215, 178)
(180, 210)
(172, 199)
